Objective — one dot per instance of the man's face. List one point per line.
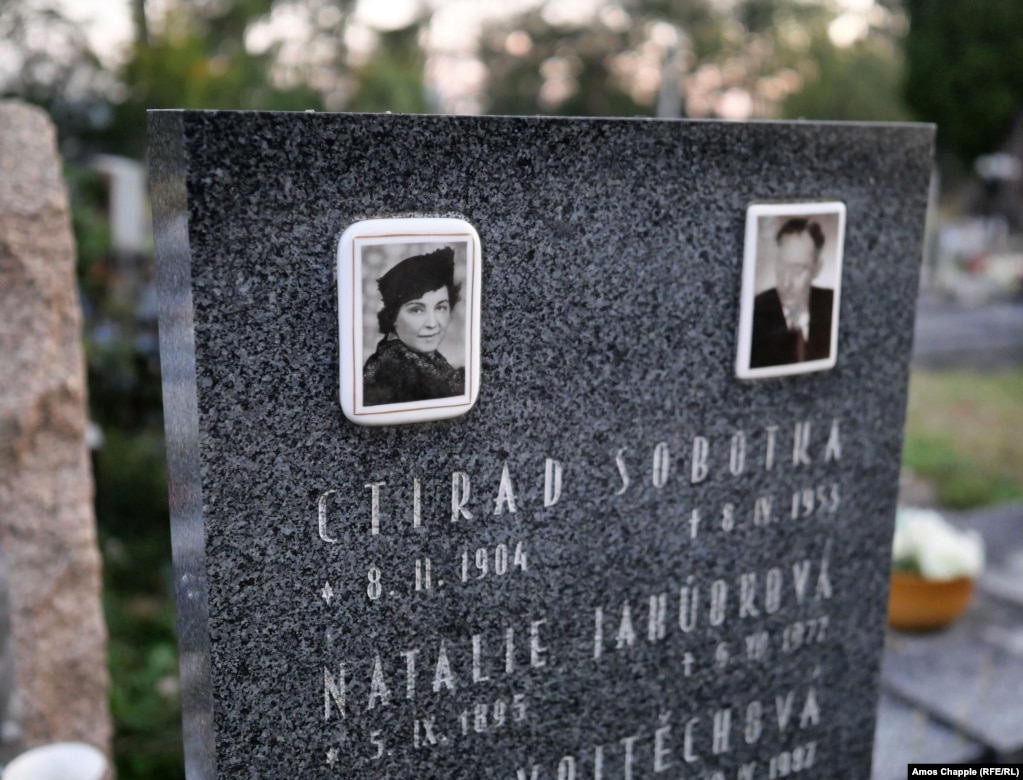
(798, 264)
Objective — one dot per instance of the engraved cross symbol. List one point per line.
(327, 593)
(332, 757)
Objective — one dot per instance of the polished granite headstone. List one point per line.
(623, 562)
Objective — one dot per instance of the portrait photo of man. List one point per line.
(791, 280)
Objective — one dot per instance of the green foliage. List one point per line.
(965, 434)
(131, 506)
(48, 61)
(198, 62)
(144, 696)
(964, 71)
(91, 227)
(778, 52)
(859, 83)
(585, 85)
(392, 80)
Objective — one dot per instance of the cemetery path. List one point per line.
(951, 335)
(953, 694)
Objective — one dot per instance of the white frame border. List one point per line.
(749, 275)
(403, 230)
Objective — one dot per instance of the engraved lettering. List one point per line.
(442, 676)
(657, 620)
(783, 710)
(747, 592)
(718, 602)
(722, 727)
(762, 511)
(626, 636)
(628, 743)
(833, 449)
(505, 493)
(334, 691)
(477, 666)
(811, 715)
(800, 441)
(623, 472)
(378, 690)
(688, 753)
(536, 649)
(800, 576)
(410, 673)
(772, 591)
(701, 450)
(737, 455)
(321, 517)
(551, 482)
(754, 722)
(417, 503)
(374, 521)
(823, 582)
(772, 431)
(460, 493)
(661, 465)
(687, 607)
(566, 768)
(727, 517)
(423, 733)
(377, 740)
(661, 751)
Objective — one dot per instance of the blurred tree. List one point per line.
(535, 67)
(392, 78)
(197, 57)
(46, 59)
(965, 71)
(861, 82)
(747, 59)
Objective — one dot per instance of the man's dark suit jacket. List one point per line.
(775, 345)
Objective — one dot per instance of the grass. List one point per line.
(964, 433)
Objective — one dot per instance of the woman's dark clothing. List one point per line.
(396, 374)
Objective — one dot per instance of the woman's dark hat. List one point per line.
(412, 278)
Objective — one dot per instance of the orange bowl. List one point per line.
(916, 604)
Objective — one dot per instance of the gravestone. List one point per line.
(57, 665)
(624, 560)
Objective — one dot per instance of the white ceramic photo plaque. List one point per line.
(409, 319)
(791, 285)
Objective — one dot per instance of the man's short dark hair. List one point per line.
(797, 225)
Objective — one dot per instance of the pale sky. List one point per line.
(451, 69)
(108, 22)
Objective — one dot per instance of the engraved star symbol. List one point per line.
(327, 593)
(332, 757)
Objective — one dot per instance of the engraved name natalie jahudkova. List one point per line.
(792, 272)
(409, 320)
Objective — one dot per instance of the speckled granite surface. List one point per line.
(660, 625)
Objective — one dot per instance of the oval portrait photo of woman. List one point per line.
(410, 345)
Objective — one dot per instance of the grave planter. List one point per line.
(919, 604)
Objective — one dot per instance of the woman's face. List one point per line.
(421, 323)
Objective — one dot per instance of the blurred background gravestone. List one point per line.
(54, 667)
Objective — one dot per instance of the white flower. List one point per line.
(938, 550)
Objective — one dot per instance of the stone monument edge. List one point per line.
(168, 171)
